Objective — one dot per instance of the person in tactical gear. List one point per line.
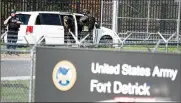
(68, 23)
(87, 23)
(87, 20)
(69, 26)
(13, 25)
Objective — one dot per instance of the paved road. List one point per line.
(11, 68)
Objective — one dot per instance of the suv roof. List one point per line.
(53, 12)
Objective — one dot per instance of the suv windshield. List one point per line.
(50, 19)
(23, 18)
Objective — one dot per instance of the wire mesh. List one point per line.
(15, 76)
(17, 63)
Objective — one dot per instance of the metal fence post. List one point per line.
(32, 69)
(31, 75)
(148, 18)
(115, 15)
(178, 24)
(102, 6)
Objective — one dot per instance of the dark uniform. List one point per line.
(13, 25)
(69, 26)
(87, 22)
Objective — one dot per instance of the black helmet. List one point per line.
(13, 11)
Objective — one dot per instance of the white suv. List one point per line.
(50, 25)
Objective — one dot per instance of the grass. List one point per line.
(161, 48)
(144, 48)
(14, 91)
(171, 49)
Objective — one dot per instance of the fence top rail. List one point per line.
(146, 18)
(137, 32)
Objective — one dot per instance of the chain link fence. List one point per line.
(149, 20)
(15, 77)
(15, 70)
(18, 65)
(18, 68)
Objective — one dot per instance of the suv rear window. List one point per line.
(23, 18)
(50, 19)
